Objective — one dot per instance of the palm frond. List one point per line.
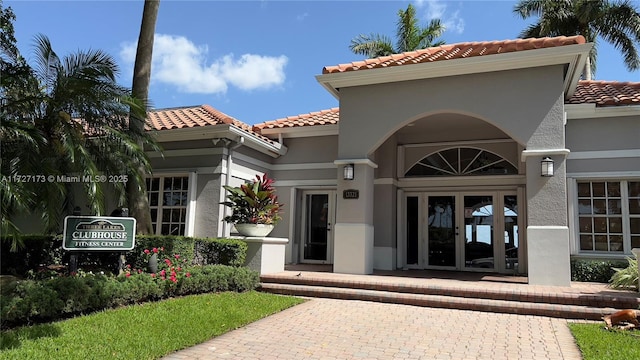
(619, 24)
(528, 8)
(47, 62)
(372, 46)
(407, 36)
(615, 22)
(428, 35)
(77, 121)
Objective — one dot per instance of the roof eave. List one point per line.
(591, 111)
(192, 133)
(228, 131)
(302, 131)
(574, 55)
(255, 142)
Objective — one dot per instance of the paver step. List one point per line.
(521, 295)
(441, 301)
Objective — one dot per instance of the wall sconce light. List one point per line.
(348, 172)
(546, 167)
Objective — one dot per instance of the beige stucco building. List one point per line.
(447, 147)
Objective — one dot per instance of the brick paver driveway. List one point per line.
(343, 329)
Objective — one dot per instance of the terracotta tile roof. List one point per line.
(606, 93)
(323, 117)
(188, 117)
(195, 116)
(456, 51)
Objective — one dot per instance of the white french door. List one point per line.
(318, 219)
(471, 231)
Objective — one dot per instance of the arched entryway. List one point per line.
(460, 190)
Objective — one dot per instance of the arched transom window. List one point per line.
(462, 161)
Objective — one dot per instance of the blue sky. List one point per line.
(256, 60)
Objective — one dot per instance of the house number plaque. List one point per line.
(351, 194)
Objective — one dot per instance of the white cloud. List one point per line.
(253, 71)
(301, 17)
(178, 61)
(437, 9)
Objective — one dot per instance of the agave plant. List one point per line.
(626, 278)
(254, 202)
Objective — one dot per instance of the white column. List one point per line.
(353, 237)
(548, 254)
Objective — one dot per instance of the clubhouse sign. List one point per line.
(99, 233)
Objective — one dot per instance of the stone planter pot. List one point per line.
(254, 230)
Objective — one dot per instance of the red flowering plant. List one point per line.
(169, 270)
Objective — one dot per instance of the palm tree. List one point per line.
(616, 22)
(410, 36)
(20, 141)
(136, 189)
(75, 122)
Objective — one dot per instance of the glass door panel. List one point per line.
(317, 227)
(511, 241)
(441, 231)
(478, 232)
(413, 227)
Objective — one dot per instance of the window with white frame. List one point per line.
(608, 216)
(634, 213)
(168, 200)
(462, 161)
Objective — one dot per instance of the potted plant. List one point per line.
(255, 207)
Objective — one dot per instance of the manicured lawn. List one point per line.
(146, 331)
(596, 343)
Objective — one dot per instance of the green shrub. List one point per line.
(171, 244)
(626, 278)
(221, 251)
(38, 250)
(216, 278)
(29, 301)
(197, 251)
(590, 270)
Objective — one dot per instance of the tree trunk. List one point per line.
(137, 192)
(587, 69)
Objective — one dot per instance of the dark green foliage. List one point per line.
(626, 277)
(40, 251)
(589, 270)
(616, 22)
(37, 250)
(171, 244)
(221, 251)
(410, 36)
(135, 289)
(218, 277)
(30, 301)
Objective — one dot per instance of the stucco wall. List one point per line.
(317, 149)
(186, 163)
(513, 101)
(386, 157)
(546, 196)
(596, 144)
(207, 205)
(384, 215)
(599, 134)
